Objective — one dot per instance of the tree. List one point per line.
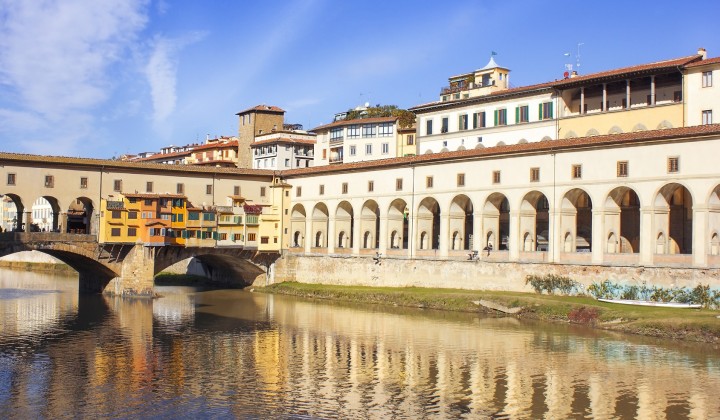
(405, 118)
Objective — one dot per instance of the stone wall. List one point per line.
(478, 275)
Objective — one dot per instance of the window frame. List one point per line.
(673, 164)
(707, 77)
(496, 177)
(535, 174)
(461, 179)
(11, 178)
(576, 171)
(623, 169)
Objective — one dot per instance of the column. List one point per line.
(598, 236)
(444, 234)
(63, 222)
(555, 240)
(27, 217)
(627, 94)
(383, 235)
(331, 235)
(646, 236)
(700, 237)
(513, 236)
(478, 233)
(582, 100)
(308, 241)
(652, 90)
(604, 97)
(356, 235)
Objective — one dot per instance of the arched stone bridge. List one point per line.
(129, 269)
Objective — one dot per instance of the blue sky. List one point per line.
(102, 78)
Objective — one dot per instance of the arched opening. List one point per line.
(622, 219)
(423, 240)
(674, 217)
(428, 219)
(461, 222)
(344, 224)
(398, 216)
(612, 244)
(714, 221)
(12, 213)
(496, 222)
(528, 242)
(715, 244)
(534, 219)
(45, 213)
(576, 220)
(370, 223)
(320, 221)
(80, 216)
(297, 225)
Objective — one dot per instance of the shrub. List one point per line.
(701, 294)
(583, 315)
(551, 283)
(604, 290)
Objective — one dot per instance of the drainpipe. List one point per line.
(97, 232)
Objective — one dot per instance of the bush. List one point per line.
(701, 294)
(583, 315)
(604, 290)
(551, 283)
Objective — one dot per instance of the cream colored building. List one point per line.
(358, 140)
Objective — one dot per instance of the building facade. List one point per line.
(363, 139)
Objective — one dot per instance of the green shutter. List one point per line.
(475, 120)
(551, 110)
(517, 114)
(496, 118)
(215, 235)
(540, 115)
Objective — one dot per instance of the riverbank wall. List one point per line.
(35, 261)
(471, 275)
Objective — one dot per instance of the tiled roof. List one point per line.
(152, 195)
(161, 156)
(699, 63)
(356, 121)
(262, 108)
(217, 145)
(536, 147)
(282, 140)
(493, 96)
(214, 162)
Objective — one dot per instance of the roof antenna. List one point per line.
(577, 56)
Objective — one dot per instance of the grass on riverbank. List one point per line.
(688, 324)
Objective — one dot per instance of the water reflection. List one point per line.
(196, 353)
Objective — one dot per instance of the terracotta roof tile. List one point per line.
(217, 145)
(152, 195)
(162, 156)
(554, 145)
(262, 108)
(700, 63)
(355, 121)
(282, 140)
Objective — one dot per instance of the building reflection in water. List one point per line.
(234, 353)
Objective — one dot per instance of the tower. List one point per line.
(261, 119)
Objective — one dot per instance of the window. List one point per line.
(496, 177)
(252, 237)
(116, 214)
(193, 215)
(11, 179)
(209, 217)
(444, 125)
(429, 182)
(322, 189)
(479, 119)
(262, 191)
(707, 117)
(385, 129)
(398, 184)
(673, 164)
(115, 232)
(298, 192)
(385, 148)
(677, 96)
(371, 186)
(707, 79)
(165, 216)
(132, 231)
(577, 171)
(287, 163)
(208, 189)
(462, 122)
(353, 150)
(410, 140)
(522, 114)
(336, 134)
(132, 215)
(368, 149)
(368, 130)
(428, 127)
(180, 188)
(622, 168)
(344, 187)
(264, 239)
(148, 202)
(149, 186)
(324, 155)
(500, 117)
(83, 182)
(546, 110)
(49, 181)
(460, 180)
(534, 174)
(353, 131)
(236, 190)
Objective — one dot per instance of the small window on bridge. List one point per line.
(11, 179)
(180, 188)
(116, 214)
(149, 186)
(49, 181)
(264, 239)
(132, 231)
(83, 182)
(208, 189)
(262, 191)
(117, 185)
(115, 232)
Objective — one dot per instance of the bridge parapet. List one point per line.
(36, 237)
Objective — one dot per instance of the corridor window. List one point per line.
(576, 171)
(298, 192)
(546, 110)
(83, 182)
(344, 187)
(500, 117)
(460, 180)
(180, 188)
(707, 79)
(622, 168)
(479, 119)
(117, 185)
(496, 177)
(149, 186)
(322, 189)
(429, 182)
(208, 189)
(463, 122)
(398, 184)
(534, 174)
(707, 117)
(49, 181)
(11, 179)
(371, 186)
(673, 164)
(444, 127)
(262, 191)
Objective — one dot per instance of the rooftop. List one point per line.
(262, 108)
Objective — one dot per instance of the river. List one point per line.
(235, 354)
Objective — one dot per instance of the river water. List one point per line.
(237, 354)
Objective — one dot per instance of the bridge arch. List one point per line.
(229, 266)
(13, 212)
(398, 224)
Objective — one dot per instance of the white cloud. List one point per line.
(161, 72)
(56, 58)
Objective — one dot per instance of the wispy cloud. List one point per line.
(161, 72)
(55, 59)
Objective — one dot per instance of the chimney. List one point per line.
(702, 52)
(574, 74)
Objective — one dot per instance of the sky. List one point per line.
(92, 78)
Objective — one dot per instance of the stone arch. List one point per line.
(370, 222)
(664, 124)
(298, 225)
(639, 127)
(320, 221)
(615, 130)
(622, 218)
(496, 222)
(673, 215)
(344, 224)
(714, 244)
(461, 222)
(535, 220)
(576, 219)
(570, 135)
(13, 213)
(592, 132)
(80, 216)
(398, 215)
(428, 221)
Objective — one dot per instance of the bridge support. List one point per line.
(138, 274)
